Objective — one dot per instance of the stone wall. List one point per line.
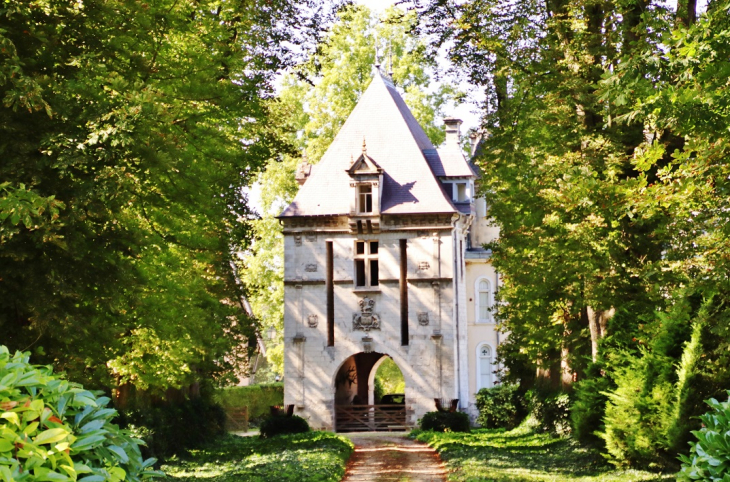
(427, 362)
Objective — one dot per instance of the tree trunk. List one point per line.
(598, 325)
(687, 12)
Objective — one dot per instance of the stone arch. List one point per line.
(371, 379)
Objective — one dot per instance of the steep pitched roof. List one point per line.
(450, 162)
(395, 141)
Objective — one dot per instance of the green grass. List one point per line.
(521, 455)
(310, 457)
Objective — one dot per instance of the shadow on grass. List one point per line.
(313, 456)
(523, 455)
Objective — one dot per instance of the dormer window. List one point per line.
(460, 192)
(365, 198)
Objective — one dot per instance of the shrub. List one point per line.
(552, 412)
(589, 408)
(637, 414)
(170, 428)
(498, 406)
(58, 431)
(283, 424)
(446, 422)
(258, 398)
(710, 455)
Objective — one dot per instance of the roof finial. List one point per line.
(352, 160)
(364, 147)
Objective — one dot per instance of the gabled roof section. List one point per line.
(395, 143)
(364, 164)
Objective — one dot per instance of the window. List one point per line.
(365, 198)
(484, 366)
(460, 192)
(483, 298)
(366, 264)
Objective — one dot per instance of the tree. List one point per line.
(127, 131)
(605, 169)
(317, 98)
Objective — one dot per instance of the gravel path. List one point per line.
(392, 457)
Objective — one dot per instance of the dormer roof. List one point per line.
(364, 164)
(395, 144)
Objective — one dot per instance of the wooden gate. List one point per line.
(370, 418)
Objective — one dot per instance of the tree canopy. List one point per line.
(127, 131)
(605, 169)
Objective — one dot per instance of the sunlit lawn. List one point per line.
(522, 455)
(312, 457)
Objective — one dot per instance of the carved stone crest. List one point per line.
(310, 268)
(366, 320)
(297, 240)
(313, 321)
(423, 318)
(423, 265)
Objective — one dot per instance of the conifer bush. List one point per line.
(55, 430)
(589, 408)
(710, 456)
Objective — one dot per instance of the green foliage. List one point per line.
(258, 398)
(170, 428)
(608, 177)
(589, 408)
(445, 422)
(658, 391)
(127, 131)
(283, 425)
(378, 391)
(390, 377)
(552, 412)
(525, 456)
(309, 457)
(52, 429)
(499, 406)
(710, 455)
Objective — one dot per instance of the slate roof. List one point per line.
(395, 141)
(450, 162)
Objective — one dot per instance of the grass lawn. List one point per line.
(522, 455)
(310, 457)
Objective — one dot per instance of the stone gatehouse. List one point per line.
(383, 257)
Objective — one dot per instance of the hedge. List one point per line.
(258, 398)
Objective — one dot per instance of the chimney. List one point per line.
(453, 134)
(304, 170)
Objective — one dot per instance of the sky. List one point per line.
(467, 111)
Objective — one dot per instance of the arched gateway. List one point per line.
(377, 261)
(356, 406)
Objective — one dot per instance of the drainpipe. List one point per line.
(454, 220)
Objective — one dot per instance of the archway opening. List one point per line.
(352, 379)
(356, 407)
(389, 386)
